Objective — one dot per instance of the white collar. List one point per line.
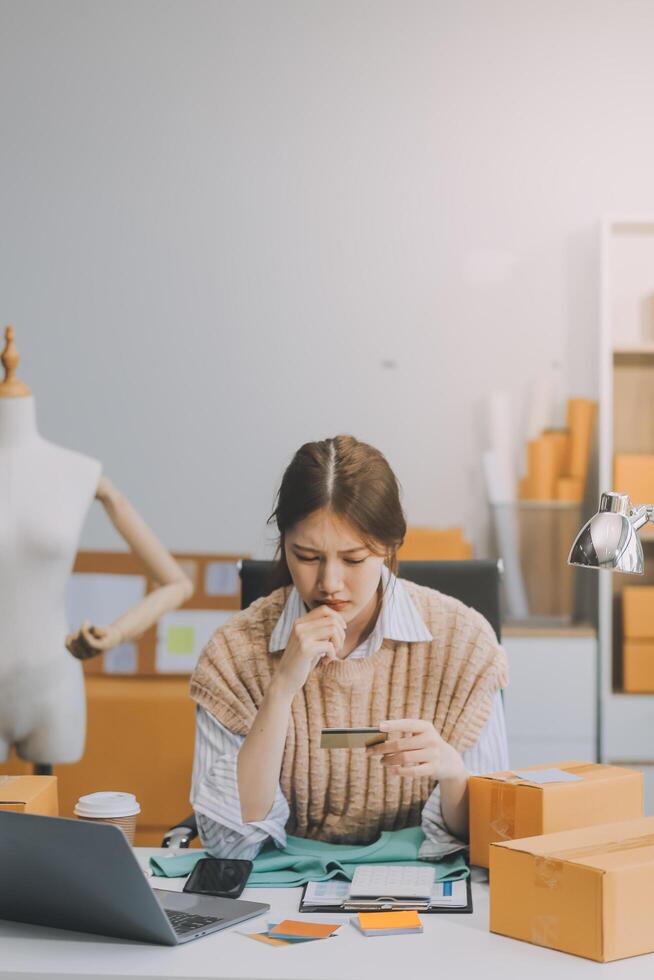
(398, 620)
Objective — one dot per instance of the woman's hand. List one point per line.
(89, 640)
(321, 633)
(415, 749)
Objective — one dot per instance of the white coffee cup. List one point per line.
(120, 809)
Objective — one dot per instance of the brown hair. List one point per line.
(350, 478)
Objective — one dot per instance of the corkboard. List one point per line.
(198, 567)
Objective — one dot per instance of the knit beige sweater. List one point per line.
(340, 795)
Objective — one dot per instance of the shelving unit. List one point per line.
(539, 658)
(626, 425)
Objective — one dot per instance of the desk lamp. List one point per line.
(609, 539)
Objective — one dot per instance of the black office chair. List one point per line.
(476, 583)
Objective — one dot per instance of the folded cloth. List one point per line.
(304, 860)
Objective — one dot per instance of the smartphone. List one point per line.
(350, 738)
(222, 877)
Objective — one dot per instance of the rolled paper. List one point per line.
(581, 420)
(542, 456)
(524, 488)
(569, 488)
(506, 529)
(495, 488)
(560, 438)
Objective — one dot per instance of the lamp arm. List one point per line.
(641, 515)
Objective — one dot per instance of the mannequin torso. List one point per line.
(45, 493)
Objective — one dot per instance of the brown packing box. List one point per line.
(638, 666)
(638, 612)
(29, 794)
(634, 474)
(504, 807)
(586, 891)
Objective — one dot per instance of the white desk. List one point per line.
(453, 946)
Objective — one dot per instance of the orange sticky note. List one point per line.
(387, 922)
(303, 930)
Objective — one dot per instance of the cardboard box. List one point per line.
(638, 612)
(504, 807)
(634, 474)
(29, 794)
(434, 544)
(638, 666)
(131, 721)
(587, 892)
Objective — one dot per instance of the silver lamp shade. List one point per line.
(610, 539)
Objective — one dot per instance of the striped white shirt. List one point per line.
(214, 791)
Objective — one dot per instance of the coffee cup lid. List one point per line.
(100, 805)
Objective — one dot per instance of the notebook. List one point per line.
(395, 882)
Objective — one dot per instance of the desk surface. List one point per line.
(457, 946)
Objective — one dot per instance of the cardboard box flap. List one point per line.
(23, 789)
(20, 789)
(604, 846)
(587, 772)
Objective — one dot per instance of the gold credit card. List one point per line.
(350, 738)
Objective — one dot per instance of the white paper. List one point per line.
(335, 891)
(181, 636)
(371, 880)
(458, 898)
(101, 598)
(222, 578)
(546, 775)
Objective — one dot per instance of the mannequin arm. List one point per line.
(174, 587)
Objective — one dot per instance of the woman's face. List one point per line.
(331, 566)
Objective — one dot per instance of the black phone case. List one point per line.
(242, 869)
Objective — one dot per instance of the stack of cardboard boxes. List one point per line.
(638, 639)
(571, 857)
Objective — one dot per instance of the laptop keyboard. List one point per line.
(183, 922)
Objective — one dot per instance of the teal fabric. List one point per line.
(309, 860)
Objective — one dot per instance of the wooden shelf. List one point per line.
(644, 350)
(525, 630)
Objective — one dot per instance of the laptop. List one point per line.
(73, 874)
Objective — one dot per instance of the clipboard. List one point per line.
(386, 905)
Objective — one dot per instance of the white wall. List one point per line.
(229, 227)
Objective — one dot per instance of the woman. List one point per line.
(344, 643)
